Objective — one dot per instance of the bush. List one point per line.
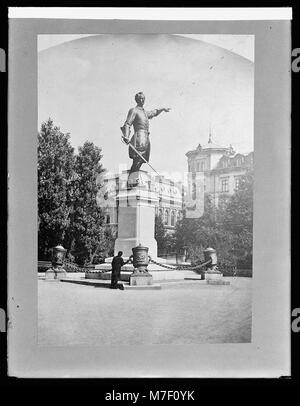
(245, 262)
(227, 268)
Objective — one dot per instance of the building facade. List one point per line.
(169, 206)
(217, 168)
(221, 169)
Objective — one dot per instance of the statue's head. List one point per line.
(120, 253)
(140, 98)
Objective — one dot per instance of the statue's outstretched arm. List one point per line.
(166, 109)
(156, 112)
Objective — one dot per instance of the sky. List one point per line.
(240, 44)
(87, 86)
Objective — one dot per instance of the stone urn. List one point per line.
(212, 275)
(210, 254)
(140, 260)
(57, 272)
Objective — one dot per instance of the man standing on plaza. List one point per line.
(117, 264)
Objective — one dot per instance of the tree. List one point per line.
(238, 219)
(190, 232)
(160, 233)
(165, 240)
(55, 181)
(90, 236)
(228, 228)
(238, 213)
(67, 190)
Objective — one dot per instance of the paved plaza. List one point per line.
(179, 313)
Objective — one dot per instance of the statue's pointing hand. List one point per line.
(166, 109)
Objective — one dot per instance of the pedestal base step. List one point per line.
(155, 286)
(217, 282)
(158, 276)
(106, 284)
(126, 286)
(194, 278)
(90, 282)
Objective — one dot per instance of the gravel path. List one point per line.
(71, 314)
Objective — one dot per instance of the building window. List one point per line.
(107, 219)
(224, 163)
(224, 185)
(237, 181)
(172, 218)
(200, 166)
(194, 186)
(239, 162)
(167, 217)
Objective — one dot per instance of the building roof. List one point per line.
(210, 146)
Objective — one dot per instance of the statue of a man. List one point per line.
(139, 118)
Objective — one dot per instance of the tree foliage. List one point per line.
(55, 176)
(165, 240)
(90, 236)
(67, 189)
(228, 229)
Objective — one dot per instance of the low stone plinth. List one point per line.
(213, 275)
(55, 274)
(140, 279)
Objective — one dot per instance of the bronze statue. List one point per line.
(139, 118)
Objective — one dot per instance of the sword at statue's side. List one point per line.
(137, 152)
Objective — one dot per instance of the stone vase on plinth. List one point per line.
(140, 275)
(57, 272)
(212, 275)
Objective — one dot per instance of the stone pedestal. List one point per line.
(55, 274)
(140, 279)
(136, 216)
(214, 277)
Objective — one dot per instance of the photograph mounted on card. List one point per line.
(151, 165)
